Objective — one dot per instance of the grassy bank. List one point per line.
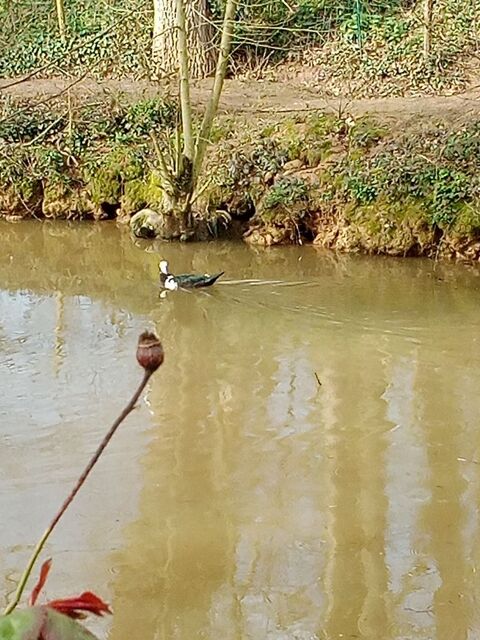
(349, 184)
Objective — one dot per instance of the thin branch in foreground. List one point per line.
(150, 356)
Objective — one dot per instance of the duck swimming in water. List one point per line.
(185, 280)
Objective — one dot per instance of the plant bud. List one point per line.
(149, 351)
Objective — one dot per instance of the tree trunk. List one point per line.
(427, 28)
(179, 175)
(60, 7)
(200, 38)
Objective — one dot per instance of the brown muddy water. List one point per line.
(243, 500)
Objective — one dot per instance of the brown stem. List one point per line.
(41, 543)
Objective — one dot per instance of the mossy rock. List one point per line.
(148, 223)
(283, 213)
(287, 200)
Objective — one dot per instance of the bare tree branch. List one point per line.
(220, 73)
(185, 102)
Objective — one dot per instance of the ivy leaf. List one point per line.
(41, 623)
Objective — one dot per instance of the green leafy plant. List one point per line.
(138, 120)
(98, 39)
(265, 157)
(286, 192)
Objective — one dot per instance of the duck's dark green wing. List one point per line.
(191, 281)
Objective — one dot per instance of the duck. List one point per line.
(185, 280)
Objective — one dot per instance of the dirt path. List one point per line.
(257, 97)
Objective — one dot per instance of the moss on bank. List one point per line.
(345, 183)
(86, 163)
(358, 185)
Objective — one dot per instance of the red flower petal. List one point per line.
(41, 581)
(86, 601)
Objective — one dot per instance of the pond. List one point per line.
(306, 463)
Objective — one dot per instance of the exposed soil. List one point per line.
(257, 97)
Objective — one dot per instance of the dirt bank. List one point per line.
(388, 175)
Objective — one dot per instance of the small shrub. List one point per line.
(140, 119)
(265, 157)
(286, 192)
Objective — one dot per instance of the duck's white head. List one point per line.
(163, 266)
(170, 283)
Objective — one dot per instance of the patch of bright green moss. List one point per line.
(394, 228)
(467, 219)
(106, 175)
(142, 192)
